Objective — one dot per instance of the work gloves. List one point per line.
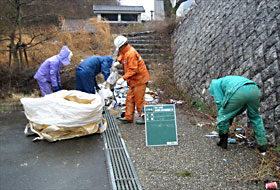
(56, 88)
(120, 81)
(114, 65)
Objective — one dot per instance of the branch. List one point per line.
(3, 50)
(178, 4)
(4, 39)
(42, 41)
(33, 37)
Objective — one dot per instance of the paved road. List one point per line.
(77, 163)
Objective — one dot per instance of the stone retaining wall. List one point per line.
(234, 37)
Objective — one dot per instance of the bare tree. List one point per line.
(18, 17)
(12, 30)
(169, 10)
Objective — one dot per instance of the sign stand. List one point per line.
(160, 125)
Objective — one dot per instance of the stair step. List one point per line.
(133, 34)
(144, 38)
(152, 46)
(150, 60)
(149, 46)
(141, 41)
(150, 56)
(150, 51)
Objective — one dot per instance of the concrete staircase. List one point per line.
(150, 45)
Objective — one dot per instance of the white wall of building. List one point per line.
(159, 10)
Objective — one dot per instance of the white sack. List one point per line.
(64, 114)
(107, 93)
(64, 108)
(100, 93)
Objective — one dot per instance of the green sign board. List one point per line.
(160, 124)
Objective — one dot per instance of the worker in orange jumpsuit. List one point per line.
(137, 77)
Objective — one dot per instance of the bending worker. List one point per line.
(88, 70)
(233, 95)
(48, 74)
(137, 77)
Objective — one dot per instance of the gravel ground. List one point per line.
(211, 167)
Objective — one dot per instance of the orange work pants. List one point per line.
(135, 97)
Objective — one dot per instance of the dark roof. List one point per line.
(77, 25)
(117, 9)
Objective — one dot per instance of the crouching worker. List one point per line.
(48, 74)
(88, 70)
(233, 95)
(137, 77)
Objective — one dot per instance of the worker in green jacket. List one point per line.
(233, 95)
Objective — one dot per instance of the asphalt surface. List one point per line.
(77, 163)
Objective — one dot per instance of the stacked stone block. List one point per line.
(234, 37)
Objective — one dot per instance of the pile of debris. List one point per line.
(237, 134)
(115, 97)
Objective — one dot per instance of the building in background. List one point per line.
(118, 14)
(159, 10)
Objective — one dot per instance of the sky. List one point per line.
(147, 4)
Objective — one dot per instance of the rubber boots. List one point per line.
(262, 149)
(223, 141)
(123, 120)
(141, 121)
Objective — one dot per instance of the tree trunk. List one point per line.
(10, 58)
(175, 8)
(15, 57)
(13, 51)
(21, 64)
(170, 11)
(26, 58)
(19, 44)
(167, 8)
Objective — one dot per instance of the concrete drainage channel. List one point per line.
(121, 169)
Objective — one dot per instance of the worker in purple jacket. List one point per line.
(48, 74)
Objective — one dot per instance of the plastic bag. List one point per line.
(100, 93)
(107, 93)
(113, 77)
(63, 115)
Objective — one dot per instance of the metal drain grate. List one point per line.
(122, 172)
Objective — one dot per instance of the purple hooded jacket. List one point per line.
(49, 70)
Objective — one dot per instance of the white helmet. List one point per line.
(119, 41)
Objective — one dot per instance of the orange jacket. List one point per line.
(135, 71)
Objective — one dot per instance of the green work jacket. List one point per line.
(222, 89)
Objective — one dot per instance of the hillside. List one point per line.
(47, 11)
(68, 8)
